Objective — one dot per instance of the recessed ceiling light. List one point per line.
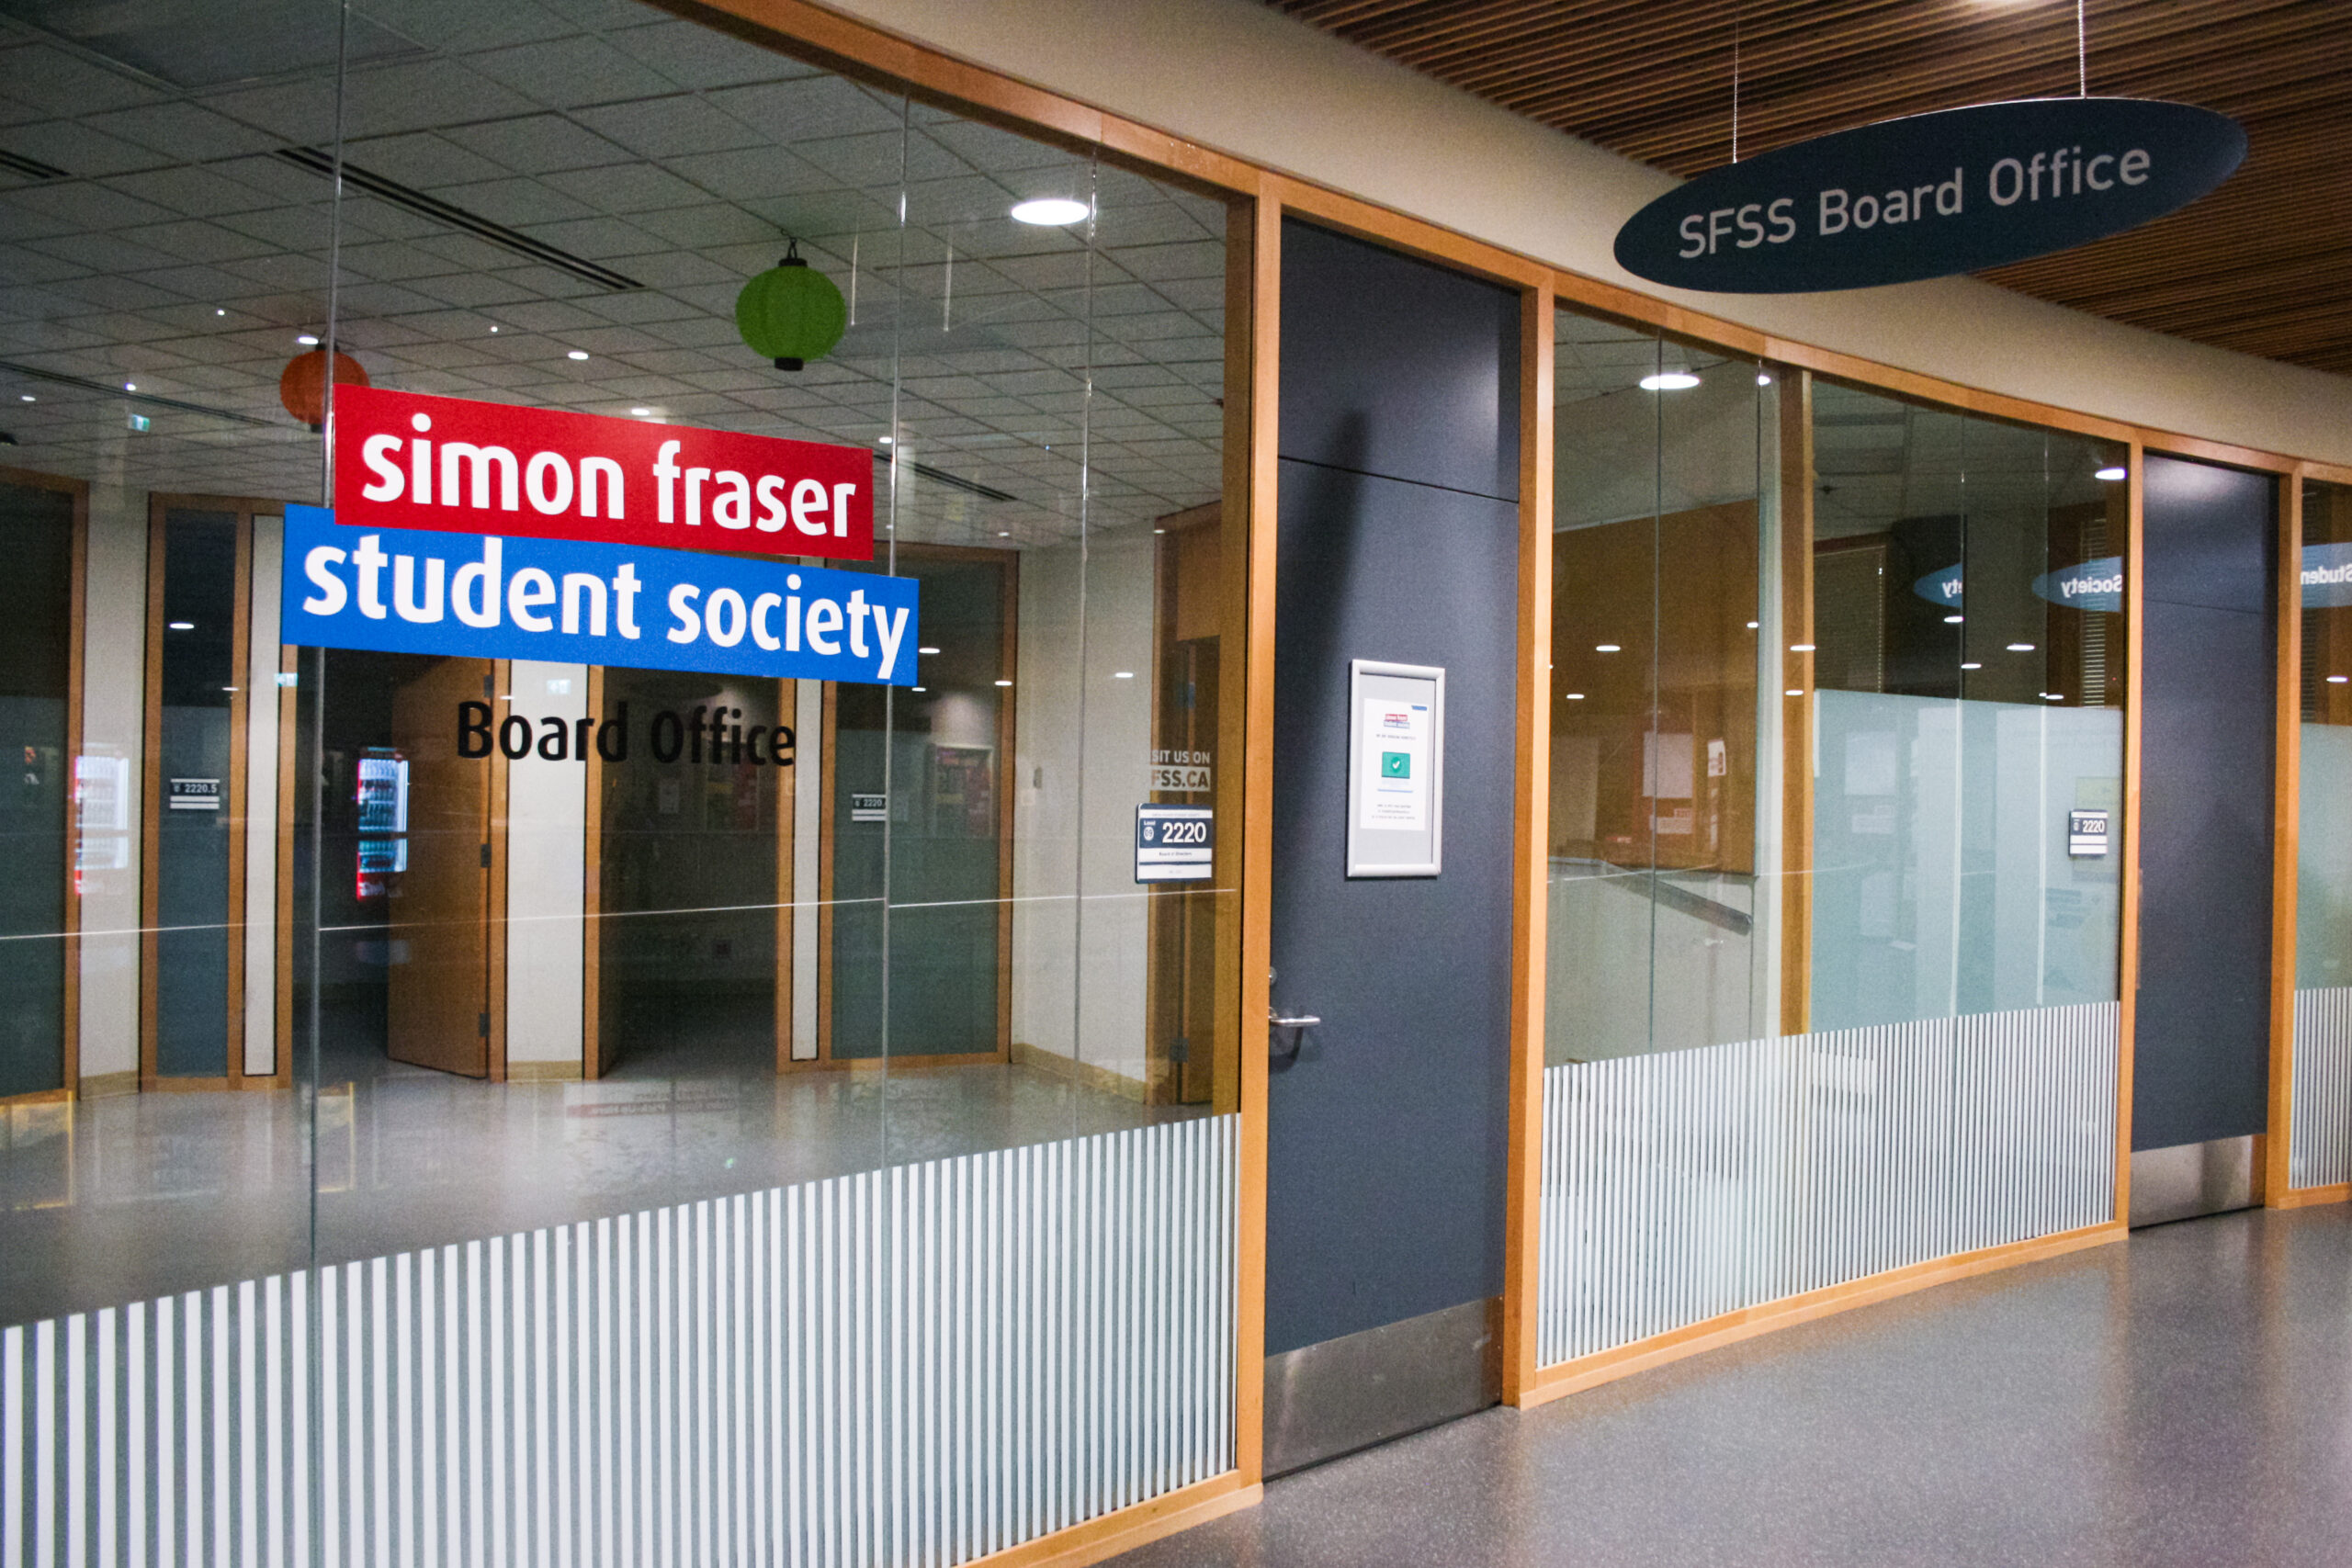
(308, 340)
(640, 412)
(26, 398)
(218, 312)
(2020, 648)
(1669, 381)
(1122, 674)
(1795, 691)
(130, 386)
(1004, 533)
(2055, 696)
(2112, 472)
(1049, 211)
(885, 440)
(1005, 682)
(1971, 665)
(1799, 648)
(919, 688)
(926, 650)
(577, 353)
(1576, 697)
(182, 625)
(1954, 620)
(493, 328)
(1159, 530)
(2338, 680)
(1606, 647)
(1752, 625)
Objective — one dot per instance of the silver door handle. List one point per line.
(1302, 1021)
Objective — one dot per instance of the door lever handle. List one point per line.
(1293, 1022)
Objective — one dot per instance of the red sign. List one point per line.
(402, 460)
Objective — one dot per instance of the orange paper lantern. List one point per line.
(303, 386)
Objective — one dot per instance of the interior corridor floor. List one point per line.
(2182, 1398)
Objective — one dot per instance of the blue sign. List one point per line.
(1931, 195)
(483, 596)
(2327, 576)
(1940, 586)
(2094, 585)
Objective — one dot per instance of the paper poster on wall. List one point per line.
(1396, 769)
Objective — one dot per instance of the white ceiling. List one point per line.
(181, 255)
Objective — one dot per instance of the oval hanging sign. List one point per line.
(1931, 195)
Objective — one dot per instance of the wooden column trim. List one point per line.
(1796, 673)
(1252, 997)
(788, 792)
(1531, 829)
(2128, 957)
(2271, 1169)
(69, 1053)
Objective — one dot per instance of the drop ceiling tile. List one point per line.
(287, 228)
(51, 82)
(661, 127)
(77, 148)
(537, 144)
(880, 161)
(81, 207)
(281, 271)
(750, 173)
(516, 202)
(569, 72)
(187, 131)
(598, 239)
(638, 307)
(20, 265)
(112, 293)
(678, 270)
(194, 283)
(547, 316)
(710, 224)
(196, 192)
(393, 262)
(1003, 152)
(628, 187)
(698, 57)
(808, 109)
(196, 241)
(703, 330)
(421, 158)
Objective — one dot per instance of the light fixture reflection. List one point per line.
(1971, 666)
(2020, 648)
(181, 627)
(1606, 647)
(1954, 620)
(640, 412)
(308, 340)
(577, 353)
(1669, 381)
(2338, 680)
(926, 650)
(1049, 211)
(2112, 472)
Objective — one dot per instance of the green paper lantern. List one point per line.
(791, 314)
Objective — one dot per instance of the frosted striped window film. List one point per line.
(1683, 1185)
(914, 1365)
(2319, 1145)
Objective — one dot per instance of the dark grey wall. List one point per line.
(1398, 541)
(2208, 680)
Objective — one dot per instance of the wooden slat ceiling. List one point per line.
(2263, 265)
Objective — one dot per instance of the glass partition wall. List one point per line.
(635, 1114)
(1837, 756)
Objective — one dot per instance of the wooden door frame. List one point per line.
(68, 1081)
(592, 929)
(1008, 660)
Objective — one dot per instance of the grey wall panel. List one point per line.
(1385, 1181)
(2201, 1059)
(1394, 366)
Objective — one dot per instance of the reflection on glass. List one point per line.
(2324, 884)
(1836, 690)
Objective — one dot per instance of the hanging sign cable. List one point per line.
(1931, 195)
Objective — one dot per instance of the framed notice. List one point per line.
(1396, 769)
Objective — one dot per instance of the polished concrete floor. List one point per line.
(2183, 1398)
(119, 1200)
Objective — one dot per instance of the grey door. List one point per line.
(1387, 1131)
